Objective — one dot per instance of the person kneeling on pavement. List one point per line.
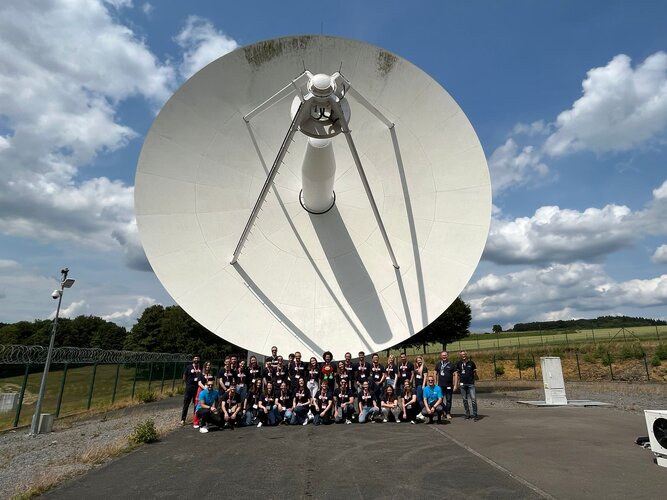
(207, 410)
(232, 409)
(432, 402)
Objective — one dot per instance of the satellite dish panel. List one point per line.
(313, 193)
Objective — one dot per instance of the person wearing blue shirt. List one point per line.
(432, 396)
(207, 410)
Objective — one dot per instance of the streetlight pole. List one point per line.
(57, 294)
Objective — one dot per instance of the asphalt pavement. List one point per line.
(510, 453)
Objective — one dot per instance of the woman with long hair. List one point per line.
(328, 370)
(408, 404)
(390, 372)
(313, 377)
(342, 374)
(368, 407)
(205, 376)
(251, 403)
(268, 412)
(389, 405)
(421, 373)
(301, 404)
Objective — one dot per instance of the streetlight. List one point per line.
(65, 282)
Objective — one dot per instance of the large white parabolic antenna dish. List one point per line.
(305, 281)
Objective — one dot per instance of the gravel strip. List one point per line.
(50, 458)
(57, 456)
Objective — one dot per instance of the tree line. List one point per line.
(587, 324)
(159, 329)
(170, 329)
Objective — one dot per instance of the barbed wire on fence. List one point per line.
(22, 354)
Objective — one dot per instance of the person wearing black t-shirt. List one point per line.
(408, 404)
(420, 374)
(344, 399)
(464, 378)
(349, 368)
(268, 411)
(391, 374)
(322, 406)
(368, 407)
(444, 372)
(273, 359)
(251, 403)
(389, 405)
(300, 404)
(231, 406)
(313, 377)
(267, 373)
(191, 376)
(377, 377)
(405, 371)
(362, 370)
(280, 373)
(226, 376)
(241, 379)
(341, 374)
(254, 371)
(296, 370)
(284, 404)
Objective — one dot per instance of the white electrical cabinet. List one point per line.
(554, 384)
(656, 423)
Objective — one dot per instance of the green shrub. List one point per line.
(631, 352)
(591, 357)
(525, 363)
(607, 359)
(500, 370)
(146, 396)
(655, 361)
(179, 390)
(145, 432)
(661, 352)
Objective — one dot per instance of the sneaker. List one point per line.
(203, 430)
(413, 422)
(195, 426)
(421, 417)
(468, 417)
(348, 421)
(305, 422)
(259, 424)
(384, 420)
(475, 418)
(182, 422)
(449, 417)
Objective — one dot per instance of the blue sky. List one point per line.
(569, 100)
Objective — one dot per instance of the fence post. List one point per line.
(534, 368)
(648, 377)
(611, 371)
(150, 376)
(593, 332)
(115, 383)
(495, 373)
(656, 333)
(477, 344)
(567, 339)
(173, 380)
(518, 364)
(623, 330)
(164, 368)
(576, 354)
(20, 403)
(62, 389)
(134, 382)
(92, 385)
(518, 341)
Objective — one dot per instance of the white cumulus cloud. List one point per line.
(660, 255)
(621, 107)
(513, 166)
(202, 44)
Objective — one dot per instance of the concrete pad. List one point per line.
(570, 402)
(510, 453)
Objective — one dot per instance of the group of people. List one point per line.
(296, 392)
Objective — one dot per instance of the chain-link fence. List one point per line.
(80, 379)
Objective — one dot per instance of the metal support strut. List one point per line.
(357, 161)
(269, 181)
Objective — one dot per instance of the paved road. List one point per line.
(510, 453)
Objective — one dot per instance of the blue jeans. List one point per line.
(438, 410)
(447, 395)
(419, 390)
(468, 392)
(274, 416)
(298, 415)
(369, 412)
